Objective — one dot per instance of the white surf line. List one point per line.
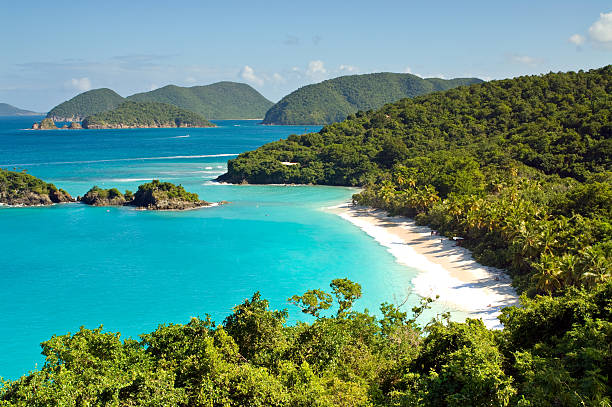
(461, 282)
(175, 157)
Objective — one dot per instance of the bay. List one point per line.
(71, 265)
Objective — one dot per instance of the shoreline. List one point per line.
(445, 269)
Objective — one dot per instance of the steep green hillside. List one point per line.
(9, 110)
(521, 168)
(333, 100)
(222, 100)
(85, 104)
(145, 115)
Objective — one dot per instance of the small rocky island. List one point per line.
(135, 115)
(154, 195)
(21, 189)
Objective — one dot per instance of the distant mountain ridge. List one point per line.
(10, 110)
(222, 100)
(334, 99)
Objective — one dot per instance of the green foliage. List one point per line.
(87, 104)
(15, 186)
(335, 99)
(519, 168)
(312, 302)
(222, 100)
(132, 114)
(552, 351)
(163, 190)
(346, 293)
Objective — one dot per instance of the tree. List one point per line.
(312, 302)
(346, 293)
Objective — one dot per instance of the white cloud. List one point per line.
(81, 84)
(190, 79)
(348, 69)
(316, 68)
(278, 78)
(577, 39)
(248, 74)
(526, 60)
(601, 30)
(153, 86)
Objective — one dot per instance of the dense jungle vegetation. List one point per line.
(520, 168)
(334, 99)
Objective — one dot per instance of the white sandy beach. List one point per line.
(445, 269)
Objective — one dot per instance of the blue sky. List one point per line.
(53, 50)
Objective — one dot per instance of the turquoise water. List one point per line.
(70, 265)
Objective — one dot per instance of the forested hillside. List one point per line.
(333, 100)
(520, 168)
(222, 100)
(86, 104)
(145, 115)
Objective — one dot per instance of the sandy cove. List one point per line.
(445, 269)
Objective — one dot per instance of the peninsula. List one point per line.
(479, 163)
(21, 189)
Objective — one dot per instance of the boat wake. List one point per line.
(174, 157)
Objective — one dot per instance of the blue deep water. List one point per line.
(70, 265)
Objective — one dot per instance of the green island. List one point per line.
(519, 168)
(85, 104)
(10, 110)
(553, 351)
(154, 195)
(21, 189)
(222, 100)
(334, 99)
(130, 115)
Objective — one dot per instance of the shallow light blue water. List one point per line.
(70, 265)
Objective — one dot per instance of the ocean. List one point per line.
(71, 265)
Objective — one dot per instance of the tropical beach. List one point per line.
(446, 269)
(306, 204)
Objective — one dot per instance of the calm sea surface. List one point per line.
(70, 265)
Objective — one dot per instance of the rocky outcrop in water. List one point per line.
(154, 195)
(104, 197)
(45, 124)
